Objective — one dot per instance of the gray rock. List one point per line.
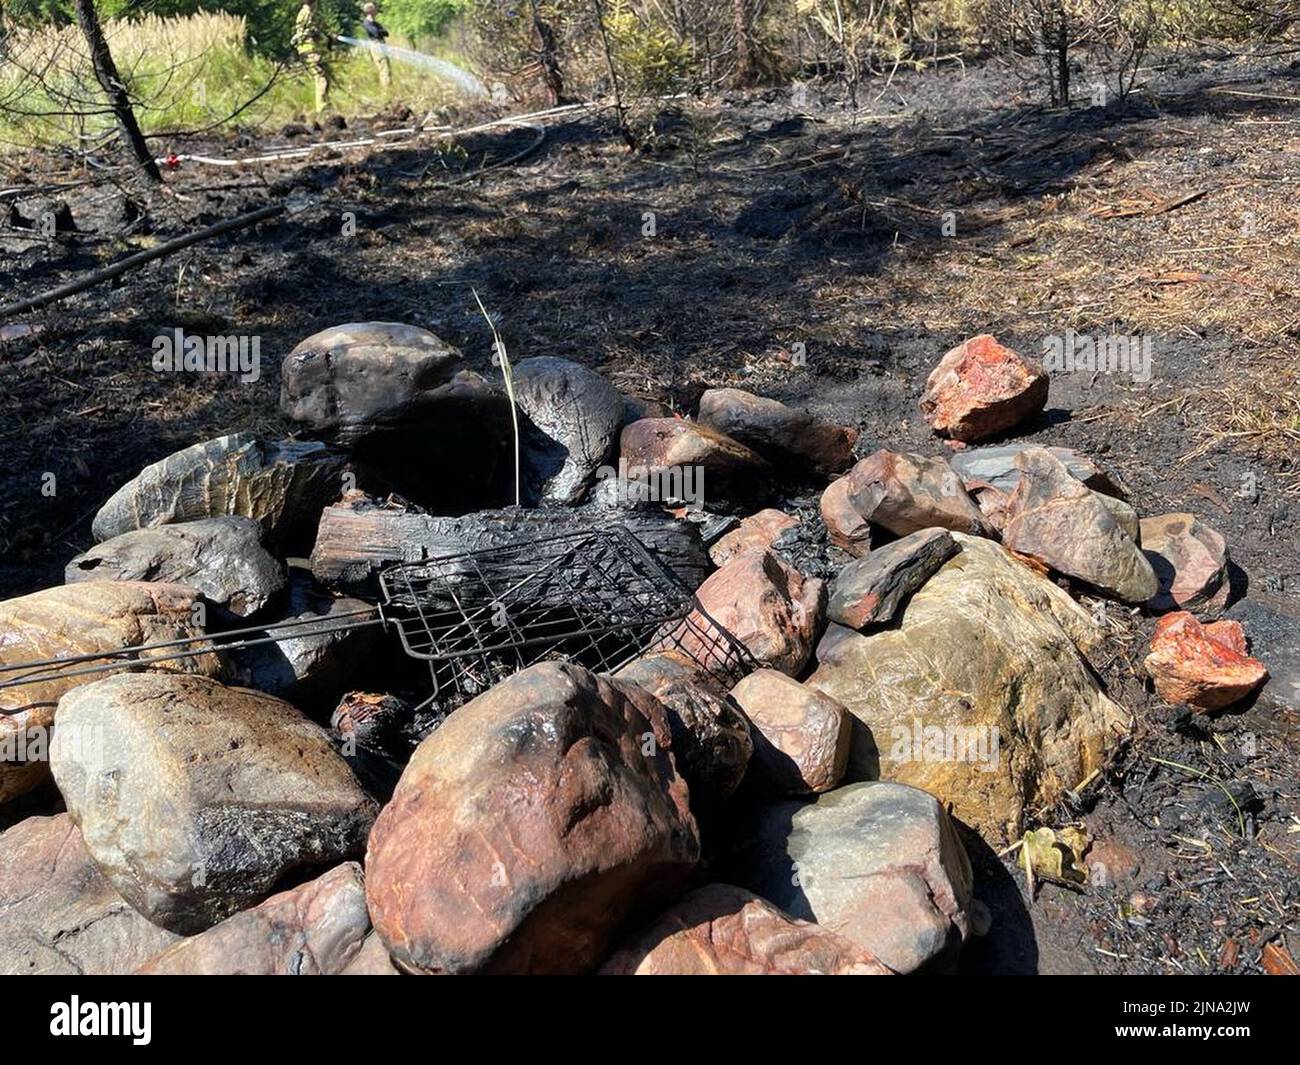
(221, 557)
(283, 486)
(997, 466)
(879, 864)
(870, 590)
(195, 799)
(313, 664)
(574, 416)
(344, 379)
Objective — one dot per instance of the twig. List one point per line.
(120, 267)
(507, 374)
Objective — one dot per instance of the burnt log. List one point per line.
(360, 536)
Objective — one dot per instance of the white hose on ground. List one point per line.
(442, 133)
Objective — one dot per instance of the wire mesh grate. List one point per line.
(595, 597)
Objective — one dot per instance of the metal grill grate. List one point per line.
(595, 597)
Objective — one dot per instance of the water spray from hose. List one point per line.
(440, 67)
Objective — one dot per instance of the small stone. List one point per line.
(801, 735)
(572, 420)
(1060, 521)
(58, 913)
(845, 527)
(756, 531)
(980, 389)
(730, 470)
(879, 864)
(315, 929)
(1202, 666)
(869, 591)
(791, 440)
(221, 557)
(1190, 560)
(906, 493)
(766, 604)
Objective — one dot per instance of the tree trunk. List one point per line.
(746, 71)
(109, 80)
(551, 73)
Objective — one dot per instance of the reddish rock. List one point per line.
(845, 527)
(721, 930)
(1060, 521)
(1110, 861)
(790, 439)
(315, 929)
(731, 470)
(81, 619)
(527, 831)
(769, 606)
(980, 389)
(870, 590)
(1190, 560)
(756, 531)
(905, 493)
(1205, 667)
(801, 736)
(58, 913)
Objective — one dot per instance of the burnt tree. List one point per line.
(111, 82)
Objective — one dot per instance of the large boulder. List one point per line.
(769, 606)
(801, 735)
(879, 864)
(906, 493)
(1058, 520)
(870, 590)
(345, 379)
(222, 557)
(728, 469)
(979, 693)
(315, 929)
(573, 416)
(81, 620)
(531, 828)
(1190, 560)
(723, 930)
(283, 486)
(196, 799)
(980, 389)
(792, 440)
(58, 913)
(1204, 666)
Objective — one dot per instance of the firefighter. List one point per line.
(376, 32)
(312, 40)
